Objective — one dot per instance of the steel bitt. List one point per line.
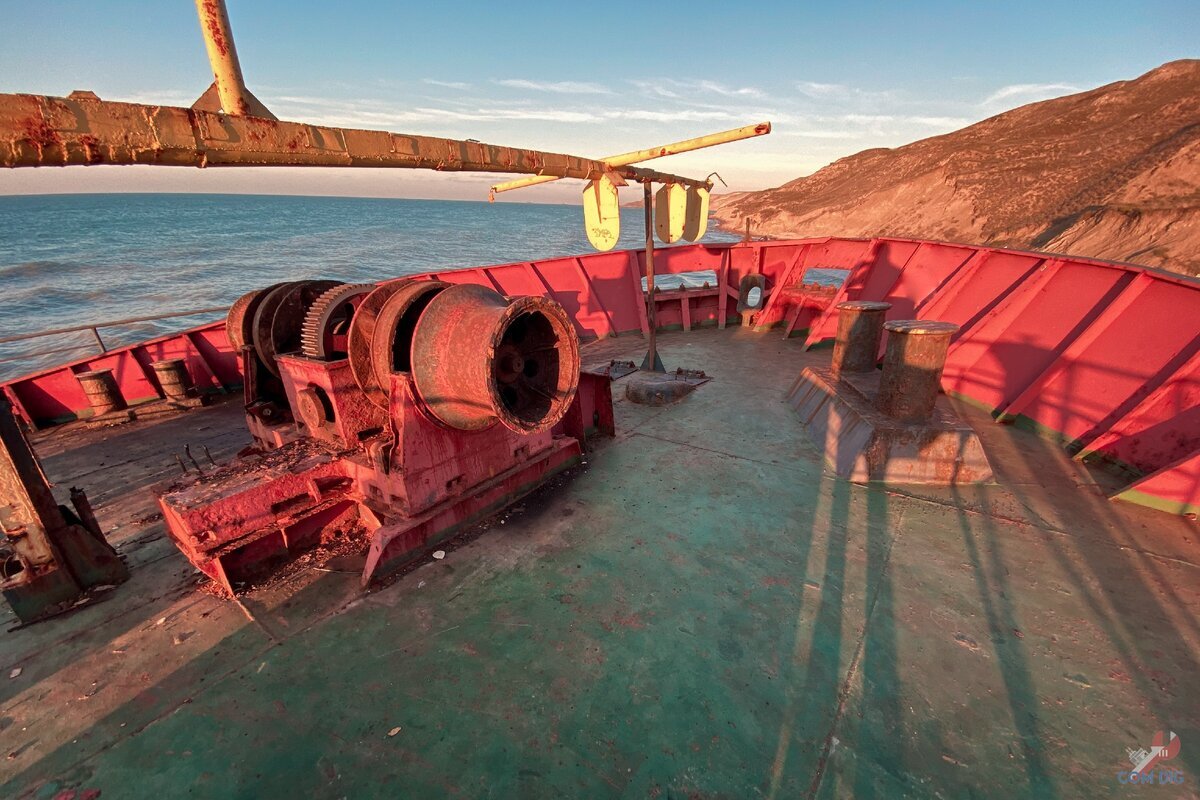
(860, 329)
(912, 367)
(173, 376)
(103, 394)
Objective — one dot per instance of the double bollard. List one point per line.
(912, 363)
(104, 394)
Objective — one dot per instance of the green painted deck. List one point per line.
(701, 611)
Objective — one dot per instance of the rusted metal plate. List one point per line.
(613, 369)
(48, 558)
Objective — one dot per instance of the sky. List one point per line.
(589, 79)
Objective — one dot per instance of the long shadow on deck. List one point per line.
(1111, 572)
(739, 637)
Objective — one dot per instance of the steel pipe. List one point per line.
(651, 362)
(231, 88)
(859, 332)
(113, 324)
(912, 368)
(625, 159)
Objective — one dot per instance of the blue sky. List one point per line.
(587, 78)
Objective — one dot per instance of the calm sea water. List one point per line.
(73, 259)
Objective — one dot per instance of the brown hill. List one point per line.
(1112, 173)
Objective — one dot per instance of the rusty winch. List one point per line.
(402, 410)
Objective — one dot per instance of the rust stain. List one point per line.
(215, 32)
(39, 132)
(632, 621)
(91, 146)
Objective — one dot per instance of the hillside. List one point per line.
(1112, 173)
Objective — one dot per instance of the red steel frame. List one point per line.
(1102, 356)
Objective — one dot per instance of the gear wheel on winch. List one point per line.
(327, 321)
(279, 317)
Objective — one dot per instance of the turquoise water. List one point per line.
(72, 259)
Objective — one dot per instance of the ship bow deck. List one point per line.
(701, 610)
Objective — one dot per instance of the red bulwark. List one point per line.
(1175, 488)
(1103, 356)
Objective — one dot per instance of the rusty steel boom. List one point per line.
(40, 131)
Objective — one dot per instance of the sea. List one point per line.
(68, 260)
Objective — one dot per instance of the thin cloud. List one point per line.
(899, 119)
(460, 86)
(820, 91)
(839, 94)
(375, 113)
(654, 89)
(866, 119)
(821, 134)
(669, 116)
(939, 122)
(674, 89)
(729, 91)
(1018, 94)
(557, 87)
(380, 114)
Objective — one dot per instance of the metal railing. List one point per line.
(95, 331)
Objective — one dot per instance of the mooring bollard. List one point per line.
(860, 329)
(102, 392)
(912, 367)
(173, 376)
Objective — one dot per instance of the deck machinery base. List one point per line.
(400, 495)
(862, 443)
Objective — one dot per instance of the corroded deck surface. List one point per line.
(701, 611)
